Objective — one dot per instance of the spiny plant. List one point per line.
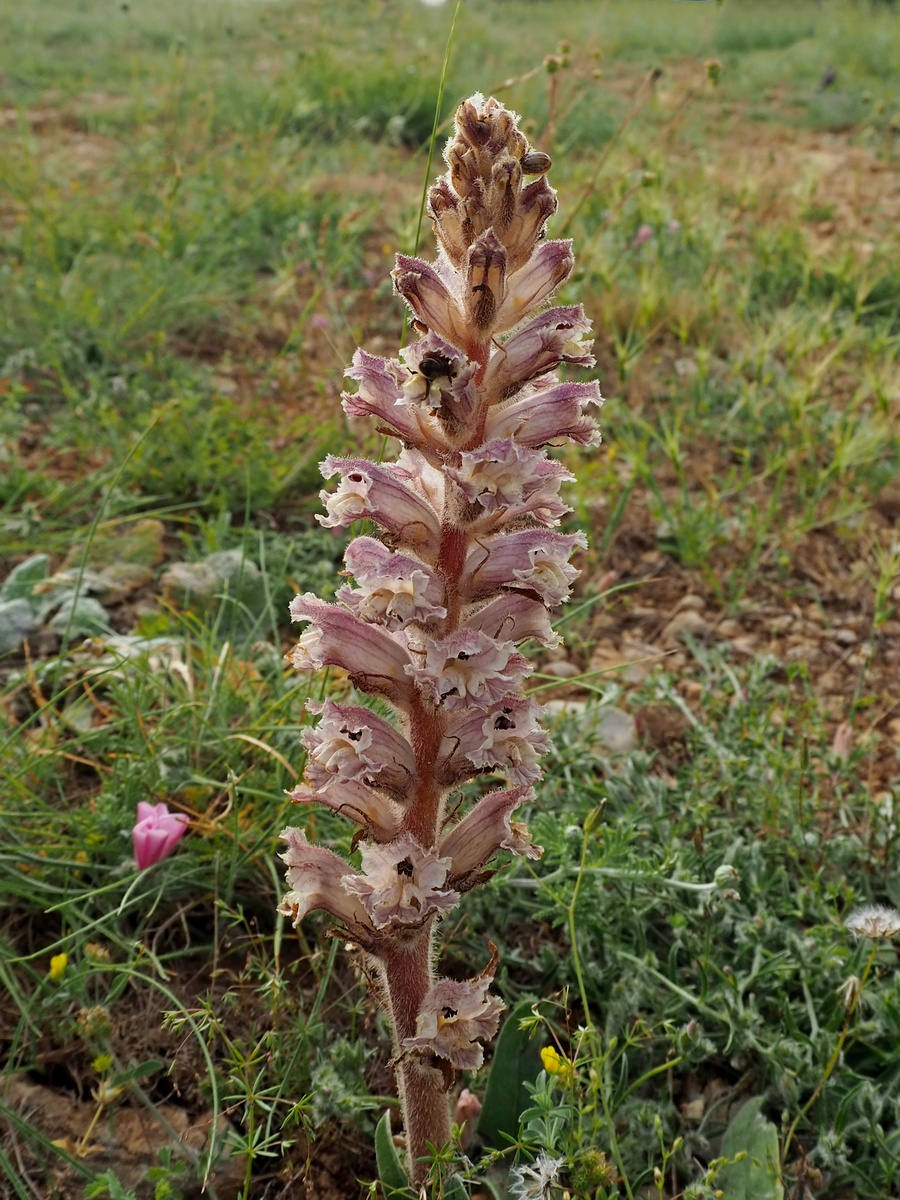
(468, 564)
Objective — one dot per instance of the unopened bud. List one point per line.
(725, 875)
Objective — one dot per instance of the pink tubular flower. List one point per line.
(484, 830)
(156, 833)
(394, 588)
(554, 337)
(469, 668)
(401, 884)
(352, 743)
(464, 566)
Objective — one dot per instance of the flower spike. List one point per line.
(464, 566)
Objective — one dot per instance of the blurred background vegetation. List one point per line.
(199, 207)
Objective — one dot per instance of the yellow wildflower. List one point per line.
(58, 964)
(556, 1064)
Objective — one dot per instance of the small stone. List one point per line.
(684, 625)
(846, 637)
(609, 729)
(729, 629)
(640, 659)
(625, 665)
(691, 601)
(561, 669)
(553, 709)
(801, 650)
(894, 730)
(693, 1110)
(616, 730)
(190, 585)
(224, 385)
(834, 707)
(781, 624)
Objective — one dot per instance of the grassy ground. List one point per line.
(199, 205)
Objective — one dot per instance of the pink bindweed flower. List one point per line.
(644, 234)
(156, 833)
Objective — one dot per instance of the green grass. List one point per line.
(199, 205)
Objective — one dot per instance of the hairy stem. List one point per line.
(423, 1090)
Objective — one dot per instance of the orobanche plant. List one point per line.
(468, 566)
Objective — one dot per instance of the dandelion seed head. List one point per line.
(875, 921)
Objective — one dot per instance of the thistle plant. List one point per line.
(469, 565)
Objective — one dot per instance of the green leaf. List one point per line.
(756, 1176)
(489, 1187)
(138, 1071)
(455, 1189)
(516, 1061)
(81, 616)
(20, 582)
(390, 1169)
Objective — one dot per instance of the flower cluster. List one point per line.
(469, 565)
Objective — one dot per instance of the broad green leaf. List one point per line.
(390, 1169)
(82, 616)
(516, 1061)
(20, 582)
(757, 1176)
(17, 621)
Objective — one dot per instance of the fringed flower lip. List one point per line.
(401, 883)
(456, 1018)
(315, 876)
(381, 493)
(394, 590)
(352, 743)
